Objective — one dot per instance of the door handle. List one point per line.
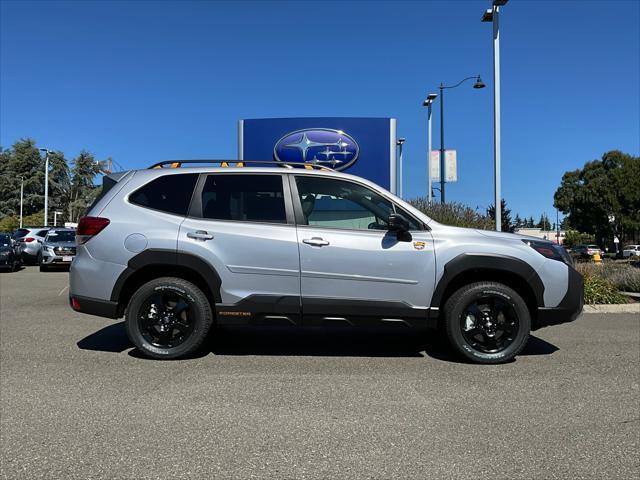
(200, 235)
(315, 241)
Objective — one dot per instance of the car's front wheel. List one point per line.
(168, 318)
(487, 322)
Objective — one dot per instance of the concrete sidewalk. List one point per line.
(616, 308)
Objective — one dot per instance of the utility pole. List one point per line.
(46, 185)
(493, 16)
(428, 103)
(21, 198)
(400, 143)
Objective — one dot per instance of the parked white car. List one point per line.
(631, 251)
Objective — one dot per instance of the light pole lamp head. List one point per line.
(430, 98)
(487, 16)
(479, 83)
(400, 141)
(500, 3)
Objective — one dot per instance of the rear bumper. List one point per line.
(94, 306)
(568, 309)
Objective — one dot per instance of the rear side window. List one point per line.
(248, 198)
(20, 233)
(169, 193)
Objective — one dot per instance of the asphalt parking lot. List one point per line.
(77, 402)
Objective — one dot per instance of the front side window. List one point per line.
(169, 193)
(244, 198)
(329, 202)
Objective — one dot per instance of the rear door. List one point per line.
(353, 270)
(243, 225)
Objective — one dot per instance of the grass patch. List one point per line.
(621, 275)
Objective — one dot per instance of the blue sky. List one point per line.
(143, 81)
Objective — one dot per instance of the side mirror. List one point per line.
(398, 223)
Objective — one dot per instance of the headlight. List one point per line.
(550, 250)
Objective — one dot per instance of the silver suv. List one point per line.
(58, 248)
(177, 250)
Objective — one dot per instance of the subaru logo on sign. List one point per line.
(322, 146)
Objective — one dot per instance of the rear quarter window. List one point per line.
(169, 193)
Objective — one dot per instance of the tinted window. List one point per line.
(20, 233)
(250, 198)
(41, 233)
(169, 193)
(329, 202)
(61, 236)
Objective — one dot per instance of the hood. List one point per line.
(60, 244)
(511, 236)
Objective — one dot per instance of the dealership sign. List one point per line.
(361, 146)
(324, 146)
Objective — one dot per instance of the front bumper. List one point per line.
(568, 309)
(48, 259)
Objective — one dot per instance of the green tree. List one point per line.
(454, 214)
(517, 222)
(23, 160)
(505, 216)
(603, 198)
(82, 190)
(544, 222)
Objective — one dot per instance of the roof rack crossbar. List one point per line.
(318, 164)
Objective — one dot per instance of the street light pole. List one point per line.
(493, 16)
(441, 143)
(55, 218)
(428, 103)
(400, 142)
(46, 185)
(21, 198)
(478, 84)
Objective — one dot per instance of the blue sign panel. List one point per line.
(361, 146)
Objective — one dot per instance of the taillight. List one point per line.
(75, 304)
(28, 239)
(88, 227)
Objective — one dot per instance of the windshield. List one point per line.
(5, 240)
(66, 236)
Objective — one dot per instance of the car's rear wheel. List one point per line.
(168, 318)
(487, 322)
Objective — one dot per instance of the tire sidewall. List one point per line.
(454, 327)
(199, 314)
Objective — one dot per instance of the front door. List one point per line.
(353, 269)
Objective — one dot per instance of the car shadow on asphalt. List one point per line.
(295, 341)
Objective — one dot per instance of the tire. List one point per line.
(163, 300)
(487, 322)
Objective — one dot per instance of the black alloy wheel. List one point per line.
(168, 318)
(164, 319)
(487, 322)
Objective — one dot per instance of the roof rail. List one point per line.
(316, 164)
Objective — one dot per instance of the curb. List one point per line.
(615, 308)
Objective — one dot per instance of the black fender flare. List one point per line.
(156, 256)
(477, 262)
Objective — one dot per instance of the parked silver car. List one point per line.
(30, 240)
(58, 248)
(177, 250)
